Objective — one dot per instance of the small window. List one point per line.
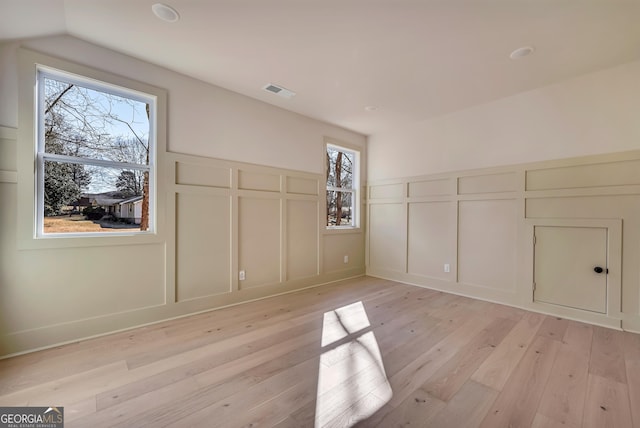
(96, 150)
(342, 184)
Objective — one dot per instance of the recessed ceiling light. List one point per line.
(371, 108)
(164, 12)
(522, 52)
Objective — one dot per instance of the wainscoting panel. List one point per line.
(254, 180)
(430, 188)
(490, 183)
(336, 246)
(203, 175)
(479, 223)
(264, 221)
(203, 245)
(302, 186)
(387, 244)
(259, 241)
(431, 238)
(386, 191)
(580, 176)
(487, 244)
(302, 238)
(8, 154)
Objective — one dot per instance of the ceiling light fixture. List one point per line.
(522, 52)
(164, 12)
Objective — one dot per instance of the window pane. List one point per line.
(339, 202)
(86, 198)
(87, 123)
(339, 168)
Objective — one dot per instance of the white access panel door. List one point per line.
(566, 265)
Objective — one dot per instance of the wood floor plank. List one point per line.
(305, 416)
(541, 421)
(438, 301)
(498, 310)
(397, 358)
(553, 328)
(354, 385)
(404, 328)
(517, 403)
(232, 379)
(633, 384)
(454, 306)
(579, 337)
(206, 370)
(632, 365)
(130, 413)
(80, 409)
(219, 413)
(357, 412)
(631, 346)
(607, 355)
(467, 408)
(454, 373)
(73, 388)
(57, 363)
(607, 404)
(497, 368)
(287, 422)
(415, 411)
(150, 343)
(363, 352)
(391, 330)
(564, 396)
(202, 360)
(252, 321)
(413, 375)
(271, 412)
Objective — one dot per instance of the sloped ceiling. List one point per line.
(411, 59)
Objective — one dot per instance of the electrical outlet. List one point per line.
(346, 259)
(242, 276)
(447, 267)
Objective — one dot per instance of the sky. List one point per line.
(110, 127)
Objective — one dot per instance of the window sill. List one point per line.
(337, 230)
(89, 240)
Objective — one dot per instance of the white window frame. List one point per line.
(27, 181)
(355, 185)
(44, 72)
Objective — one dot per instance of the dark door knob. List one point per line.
(598, 269)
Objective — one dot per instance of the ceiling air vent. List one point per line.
(279, 90)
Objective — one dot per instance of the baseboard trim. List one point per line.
(25, 342)
(611, 323)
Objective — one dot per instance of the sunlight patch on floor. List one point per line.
(352, 382)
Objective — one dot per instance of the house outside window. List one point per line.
(96, 148)
(342, 173)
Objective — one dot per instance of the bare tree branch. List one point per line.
(55, 101)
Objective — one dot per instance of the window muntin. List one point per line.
(96, 149)
(342, 183)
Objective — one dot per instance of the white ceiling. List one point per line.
(412, 59)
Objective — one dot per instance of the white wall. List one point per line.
(460, 189)
(591, 114)
(52, 295)
(204, 120)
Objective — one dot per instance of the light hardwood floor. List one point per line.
(364, 352)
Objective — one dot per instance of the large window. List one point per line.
(342, 184)
(95, 156)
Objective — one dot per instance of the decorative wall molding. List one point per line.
(468, 232)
